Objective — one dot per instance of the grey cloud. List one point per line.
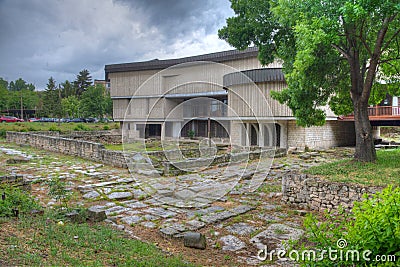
(43, 38)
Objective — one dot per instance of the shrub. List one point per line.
(373, 225)
(54, 128)
(57, 189)
(81, 127)
(3, 133)
(13, 199)
(106, 127)
(191, 134)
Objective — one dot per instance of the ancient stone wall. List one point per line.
(104, 137)
(84, 149)
(333, 133)
(313, 193)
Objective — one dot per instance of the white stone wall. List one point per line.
(333, 133)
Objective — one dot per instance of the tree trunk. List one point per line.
(365, 149)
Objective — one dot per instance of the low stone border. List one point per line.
(314, 193)
(16, 180)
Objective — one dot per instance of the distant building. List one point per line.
(151, 99)
(105, 83)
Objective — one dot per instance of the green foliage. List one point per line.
(54, 128)
(57, 190)
(52, 100)
(81, 127)
(106, 127)
(77, 245)
(191, 134)
(374, 225)
(325, 46)
(82, 82)
(15, 199)
(95, 101)
(350, 171)
(3, 133)
(20, 85)
(70, 106)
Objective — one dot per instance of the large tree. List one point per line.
(20, 84)
(333, 52)
(3, 94)
(95, 101)
(52, 99)
(82, 82)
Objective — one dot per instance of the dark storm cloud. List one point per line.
(179, 17)
(43, 38)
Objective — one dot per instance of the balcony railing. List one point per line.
(379, 112)
(383, 111)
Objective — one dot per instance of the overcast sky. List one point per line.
(43, 38)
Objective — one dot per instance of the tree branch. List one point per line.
(388, 60)
(373, 63)
(390, 40)
(341, 50)
(363, 41)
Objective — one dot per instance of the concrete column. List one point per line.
(261, 135)
(376, 132)
(176, 129)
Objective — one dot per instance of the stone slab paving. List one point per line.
(244, 220)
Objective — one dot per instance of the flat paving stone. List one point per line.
(195, 225)
(135, 205)
(91, 195)
(132, 219)
(161, 212)
(278, 233)
(241, 209)
(184, 194)
(215, 217)
(169, 231)
(232, 243)
(269, 218)
(119, 195)
(241, 228)
(149, 225)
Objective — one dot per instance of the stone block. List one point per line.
(76, 217)
(96, 215)
(194, 240)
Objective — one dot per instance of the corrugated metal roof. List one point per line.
(256, 75)
(156, 64)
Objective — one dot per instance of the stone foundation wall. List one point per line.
(333, 133)
(84, 149)
(104, 137)
(313, 193)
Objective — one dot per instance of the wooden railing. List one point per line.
(378, 112)
(383, 111)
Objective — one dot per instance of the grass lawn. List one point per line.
(386, 171)
(37, 241)
(151, 145)
(52, 126)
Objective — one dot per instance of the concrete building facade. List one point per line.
(224, 95)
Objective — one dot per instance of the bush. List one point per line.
(373, 225)
(106, 127)
(2, 133)
(81, 127)
(54, 128)
(57, 189)
(13, 199)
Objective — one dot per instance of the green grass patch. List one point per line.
(386, 170)
(150, 145)
(40, 242)
(51, 126)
